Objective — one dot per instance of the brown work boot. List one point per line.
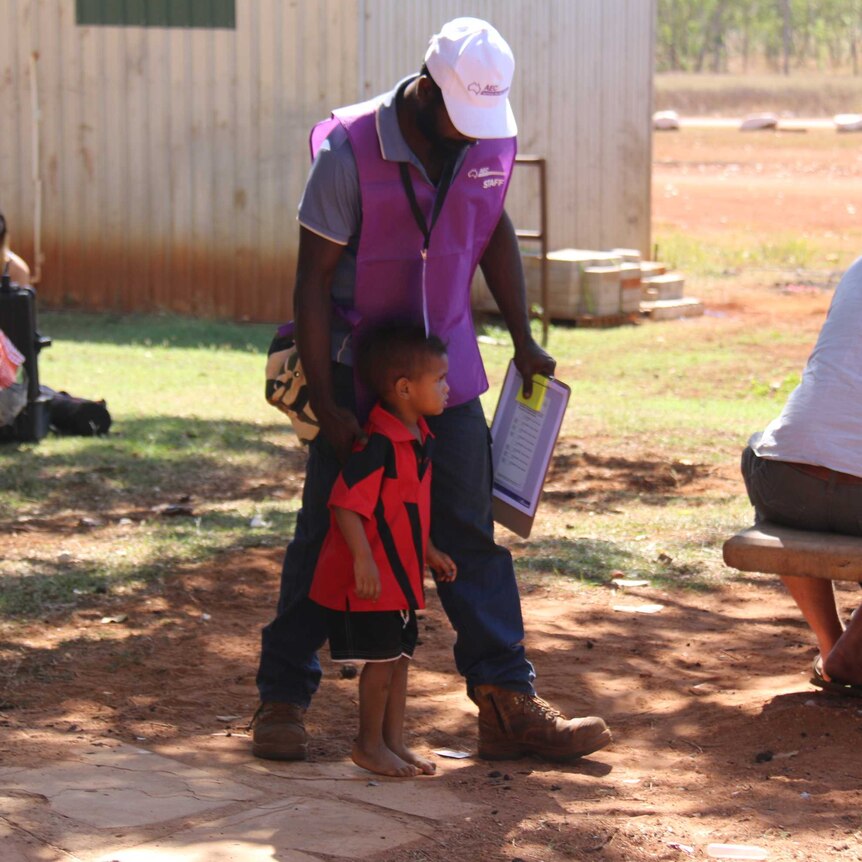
(278, 732)
(512, 724)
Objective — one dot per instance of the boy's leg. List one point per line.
(393, 719)
(370, 750)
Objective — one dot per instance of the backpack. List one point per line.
(286, 386)
(79, 417)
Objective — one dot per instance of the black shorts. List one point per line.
(371, 635)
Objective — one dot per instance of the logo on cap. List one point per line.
(488, 90)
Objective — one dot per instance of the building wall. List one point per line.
(171, 160)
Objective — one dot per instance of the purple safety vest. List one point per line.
(392, 280)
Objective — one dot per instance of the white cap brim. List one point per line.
(474, 122)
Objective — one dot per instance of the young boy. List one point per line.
(370, 572)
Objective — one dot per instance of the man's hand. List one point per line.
(367, 578)
(531, 359)
(341, 428)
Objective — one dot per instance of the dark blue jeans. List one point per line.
(482, 603)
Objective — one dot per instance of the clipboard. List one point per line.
(523, 436)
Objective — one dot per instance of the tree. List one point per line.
(695, 34)
(786, 31)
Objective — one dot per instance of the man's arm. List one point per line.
(312, 305)
(504, 273)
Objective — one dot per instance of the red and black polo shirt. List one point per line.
(388, 483)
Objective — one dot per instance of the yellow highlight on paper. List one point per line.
(537, 397)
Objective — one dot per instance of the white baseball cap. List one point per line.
(473, 66)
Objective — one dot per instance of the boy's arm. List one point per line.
(364, 567)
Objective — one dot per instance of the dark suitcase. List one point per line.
(18, 321)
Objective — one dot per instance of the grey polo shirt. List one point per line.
(331, 204)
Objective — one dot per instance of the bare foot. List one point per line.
(425, 766)
(383, 761)
(842, 663)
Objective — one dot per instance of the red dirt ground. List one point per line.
(697, 697)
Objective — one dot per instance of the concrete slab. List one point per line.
(418, 797)
(18, 846)
(121, 803)
(288, 830)
(125, 786)
(309, 771)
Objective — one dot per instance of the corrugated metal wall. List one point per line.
(172, 160)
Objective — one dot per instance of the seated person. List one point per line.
(13, 387)
(19, 272)
(805, 471)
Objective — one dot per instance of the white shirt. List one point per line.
(822, 421)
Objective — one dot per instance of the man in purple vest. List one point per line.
(403, 202)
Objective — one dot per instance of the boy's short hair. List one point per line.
(394, 350)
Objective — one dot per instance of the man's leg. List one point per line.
(816, 599)
(484, 606)
(289, 671)
(843, 662)
(781, 493)
(482, 603)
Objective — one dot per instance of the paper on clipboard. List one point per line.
(524, 434)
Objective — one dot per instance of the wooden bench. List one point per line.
(775, 550)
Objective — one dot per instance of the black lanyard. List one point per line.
(442, 189)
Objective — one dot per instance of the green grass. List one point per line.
(726, 252)
(190, 424)
(186, 399)
(665, 385)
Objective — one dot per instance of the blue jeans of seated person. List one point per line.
(482, 603)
